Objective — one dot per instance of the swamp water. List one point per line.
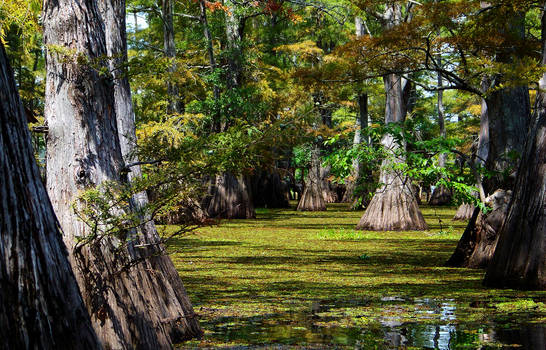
(292, 280)
(436, 327)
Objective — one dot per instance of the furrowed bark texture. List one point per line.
(128, 297)
(504, 123)
(312, 198)
(394, 206)
(175, 302)
(328, 190)
(520, 260)
(509, 111)
(229, 198)
(40, 302)
(479, 240)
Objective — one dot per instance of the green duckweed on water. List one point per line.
(297, 280)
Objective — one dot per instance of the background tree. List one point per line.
(393, 206)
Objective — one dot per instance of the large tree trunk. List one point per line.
(165, 279)
(312, 198)
(393, 206)
(503, 126)
(328, 191)
(520, 258)
(509, 111)
(128, 297)
(229, 197)
(40, 303)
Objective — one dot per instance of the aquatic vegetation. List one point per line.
(309, 279)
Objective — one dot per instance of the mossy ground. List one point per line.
(310, 279)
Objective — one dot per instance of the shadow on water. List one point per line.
(316, 329)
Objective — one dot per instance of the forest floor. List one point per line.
(309, 280)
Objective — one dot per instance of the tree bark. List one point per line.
(393, 206)
(312, 198)
(165, 279)
(40, 302)
(234, 36)
(229, 197)
(328, 191)
(269, 191)
(504, 122)
(464, 212)
(520, 258)
(477, 245)
(126, 300)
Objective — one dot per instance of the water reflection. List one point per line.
(436, 328)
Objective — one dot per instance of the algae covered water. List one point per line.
(310, 281)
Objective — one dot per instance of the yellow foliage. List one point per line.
(475, 109)
(23, 13)
(306, 50)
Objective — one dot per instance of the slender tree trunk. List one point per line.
(441, 195)
(40, 302)
(520, 258)
(210, 48)
(175, 304)
(360, 122)
(394, 206)
(234, 38)
(175, 101)
(126, 300)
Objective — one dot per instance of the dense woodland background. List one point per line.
(175, 112)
